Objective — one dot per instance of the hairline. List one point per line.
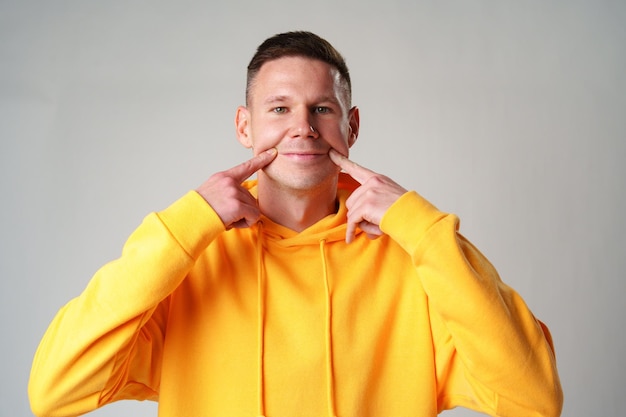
(344, 84)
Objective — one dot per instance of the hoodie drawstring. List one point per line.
(330, 379)
(261, 321)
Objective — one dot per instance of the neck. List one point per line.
(296, 209)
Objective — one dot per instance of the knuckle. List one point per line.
(228, 182)
(223, 178)
(376, 181)
(248, 165)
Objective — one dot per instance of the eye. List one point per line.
(279, 110)
(322, 110)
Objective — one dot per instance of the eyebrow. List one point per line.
(275, 99)
(284, 98)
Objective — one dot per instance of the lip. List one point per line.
(304, 155)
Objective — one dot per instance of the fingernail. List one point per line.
(272, 151)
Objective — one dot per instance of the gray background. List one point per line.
(510, 114)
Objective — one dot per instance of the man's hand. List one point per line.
(368, 203)
(224, 193)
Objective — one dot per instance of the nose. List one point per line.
(303, 127)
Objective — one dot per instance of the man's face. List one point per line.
(298, 106)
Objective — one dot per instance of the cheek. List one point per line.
(341, 144)
(264, 138)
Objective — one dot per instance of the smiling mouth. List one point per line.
(311, 153)
(304, 156)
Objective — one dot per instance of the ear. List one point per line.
(242, 126)
(354, 123)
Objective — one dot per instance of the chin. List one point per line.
(302, 181)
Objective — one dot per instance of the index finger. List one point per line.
(244, 170)
(356, 171)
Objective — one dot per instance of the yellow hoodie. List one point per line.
(268, 322)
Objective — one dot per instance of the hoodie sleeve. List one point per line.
(495, 357)
(105, 345)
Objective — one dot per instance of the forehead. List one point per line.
(297, 76)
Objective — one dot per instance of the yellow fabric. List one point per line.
(409, 324)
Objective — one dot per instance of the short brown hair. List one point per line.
(300, 43)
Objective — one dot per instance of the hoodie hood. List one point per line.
(330, 229)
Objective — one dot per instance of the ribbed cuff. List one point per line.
(408, 220)
(192, 222)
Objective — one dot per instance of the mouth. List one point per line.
(304, 155)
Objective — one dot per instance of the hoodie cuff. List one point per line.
(192, 222)
(408, 220)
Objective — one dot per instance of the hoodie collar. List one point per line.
(331, 228)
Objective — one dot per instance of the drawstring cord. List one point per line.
(330, 379)
(261, 321)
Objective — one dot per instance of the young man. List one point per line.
(301, 293)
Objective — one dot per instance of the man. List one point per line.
(301, 293)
